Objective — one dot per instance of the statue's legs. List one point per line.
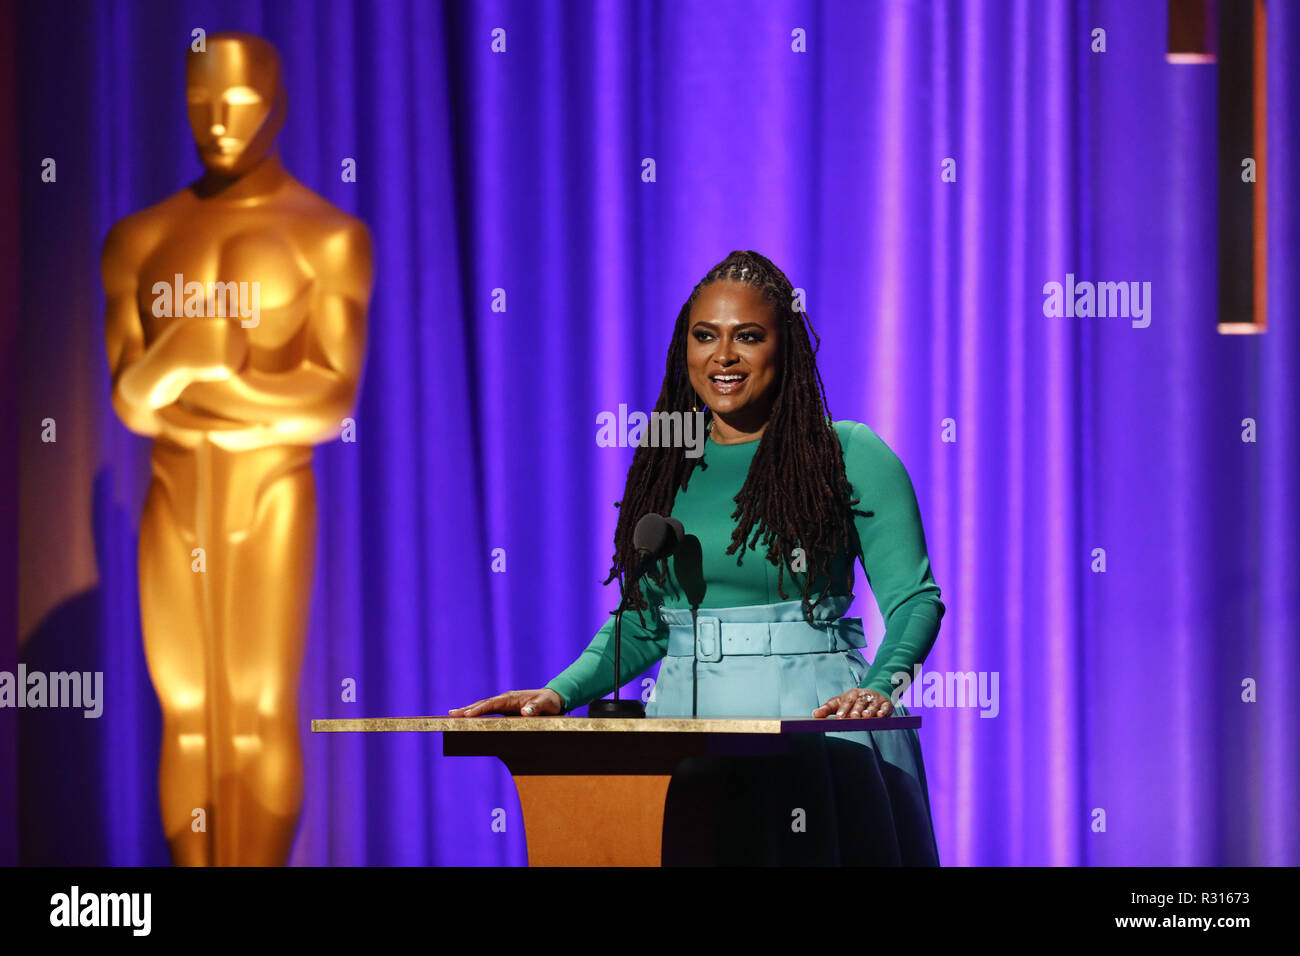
(266, 583)
(172, 620)
(225, 647)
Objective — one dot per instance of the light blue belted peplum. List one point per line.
(852, 797)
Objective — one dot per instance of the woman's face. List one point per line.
(733, 353)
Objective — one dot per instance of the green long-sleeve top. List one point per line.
(890, 544)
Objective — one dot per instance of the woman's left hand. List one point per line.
(857, 702)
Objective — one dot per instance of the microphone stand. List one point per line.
(616, 707)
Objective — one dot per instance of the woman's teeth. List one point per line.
(726, 384)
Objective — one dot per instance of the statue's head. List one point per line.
(236, 101)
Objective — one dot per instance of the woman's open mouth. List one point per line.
(728, 382)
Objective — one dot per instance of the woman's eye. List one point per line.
(748, 338)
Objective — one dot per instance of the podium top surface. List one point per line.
(644, 725)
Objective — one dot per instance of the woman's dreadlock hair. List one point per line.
(796, 494)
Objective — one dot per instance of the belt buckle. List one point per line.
(708, 640)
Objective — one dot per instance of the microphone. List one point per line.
(655, 538)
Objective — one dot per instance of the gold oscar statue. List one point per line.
(236, 335)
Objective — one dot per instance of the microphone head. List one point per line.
(654, 535)
(679, 531)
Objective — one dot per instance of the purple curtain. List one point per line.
(1120, 692)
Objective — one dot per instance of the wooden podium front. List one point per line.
(593, 789)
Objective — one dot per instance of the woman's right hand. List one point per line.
(527, 703)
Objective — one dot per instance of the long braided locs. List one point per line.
(796, 494)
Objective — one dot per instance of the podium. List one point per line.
(592, 789)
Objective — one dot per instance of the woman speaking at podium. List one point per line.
(781, 496)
